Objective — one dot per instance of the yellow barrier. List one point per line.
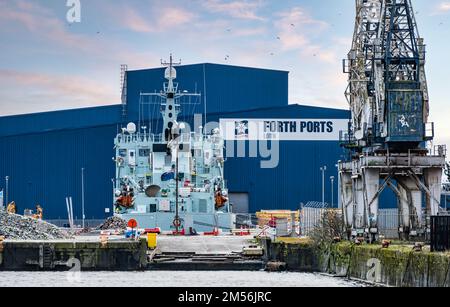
(152, 240)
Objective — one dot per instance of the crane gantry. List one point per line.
(389, 130)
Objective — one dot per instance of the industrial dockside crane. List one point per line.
(389, 130)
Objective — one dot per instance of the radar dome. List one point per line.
(131, 128)
(170, 73)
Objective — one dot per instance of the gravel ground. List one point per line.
(17, 227)
(114, 223)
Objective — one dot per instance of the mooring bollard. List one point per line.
(275, 266)
(103, 241)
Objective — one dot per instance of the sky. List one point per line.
(47, 63)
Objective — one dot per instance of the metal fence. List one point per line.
(246, 220)
(310, 219)
(65, 223)
(388, 220)
(388, 223)
(440, 233)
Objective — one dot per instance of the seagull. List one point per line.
(278, 37)
(292, 25)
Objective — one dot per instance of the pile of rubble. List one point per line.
(114, 223)
(17, 227)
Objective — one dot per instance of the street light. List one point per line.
(82, 197)
(332, 191)
(7, 190)
(323, 170)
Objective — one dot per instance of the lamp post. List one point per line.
(323, 170)
(7, 190)
(332, 191)
(82, 198)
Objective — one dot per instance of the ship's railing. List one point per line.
(64, 223)
(246, 220)
(134, 138)
(439, 151)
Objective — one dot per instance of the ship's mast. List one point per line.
(171, 109)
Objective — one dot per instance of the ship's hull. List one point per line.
(201, 222)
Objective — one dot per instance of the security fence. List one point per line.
(440, 233)
(388, 223)
(311, 215)
(65, 223)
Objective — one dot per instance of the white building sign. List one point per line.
(282, 129)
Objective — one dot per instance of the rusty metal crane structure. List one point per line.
(389, 131)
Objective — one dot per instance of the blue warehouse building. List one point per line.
(43, 153)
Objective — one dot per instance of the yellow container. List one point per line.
(152, 240)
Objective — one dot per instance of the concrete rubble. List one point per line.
(17, 227)
(114, 223)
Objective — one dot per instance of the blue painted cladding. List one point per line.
(45, 168)
(296, 179)
(60, 120)
(228, 88)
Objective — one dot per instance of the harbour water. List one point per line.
(170, 279)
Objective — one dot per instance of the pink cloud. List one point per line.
(293, 25)
(237, 9)
(164, 19)
(444, 7)
(42, 24)
(39, 92)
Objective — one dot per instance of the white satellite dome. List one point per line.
(131, 128)
(170, 73)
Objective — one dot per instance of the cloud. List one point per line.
(444, 7)
(441, 9)
(135, 22)
(242, 9)
(49, 92)
(162, 20)
(296, 29)
(42, 24)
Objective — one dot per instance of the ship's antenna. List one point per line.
(171, 72)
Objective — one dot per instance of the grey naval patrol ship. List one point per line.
(173, 180)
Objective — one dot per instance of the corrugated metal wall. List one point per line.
(297, 178)
(45, 168)
(60, 120)
(228, 88)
